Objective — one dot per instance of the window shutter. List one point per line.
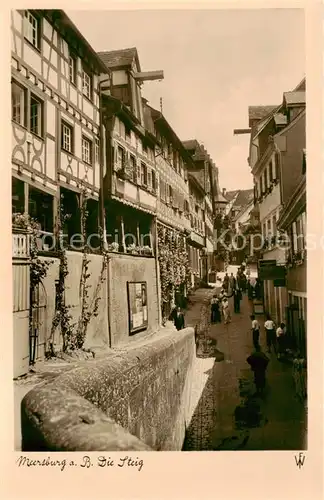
(157, 183)
(167, 193)
(266, 178)
(112, 157)
(138, 169)
(277, 165)
(181, 202)
(149, 178)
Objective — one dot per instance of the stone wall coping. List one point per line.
(66, 414)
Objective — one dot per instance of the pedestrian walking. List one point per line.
(280, 334)
(255, 331)
(258, 362)
(215, 313)
(270, 334)
(243, 282)
(237, 300)
(232, 282)
(226, 311)
(179, 320)
(226, 282)
(258, 289)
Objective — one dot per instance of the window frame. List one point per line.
(23, 105)
(132, 161)
(86, 72)
(123, 157)
(40, 115)
(71, 129)
(73, 57)
(27, 24)
(144, 177)
(86, 140)
(154, 183)
(97, 150)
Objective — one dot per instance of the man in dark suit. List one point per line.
(179, 321)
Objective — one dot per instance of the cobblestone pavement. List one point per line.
(225, 413)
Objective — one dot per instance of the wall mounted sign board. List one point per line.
(137, 306)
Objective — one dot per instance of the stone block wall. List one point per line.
(136, 399)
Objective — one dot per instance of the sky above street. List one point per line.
(216, 63)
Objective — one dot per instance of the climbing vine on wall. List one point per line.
(74, 334)
(173, 262)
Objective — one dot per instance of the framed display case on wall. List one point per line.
(137, 306)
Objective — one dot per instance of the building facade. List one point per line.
(173, 210)
(203, 188)
(55, 118)
(277, 142)
(293, 221)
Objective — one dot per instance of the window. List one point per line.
(277, 165)
(97, 150)
(36, 115)
(144, 148)
(67, 137)
(32, 29)
(120, 158)
(153, 180)
(86, 150)
(72, 68)
(170, 194)
(269, 227)
(176, 161)
(266, 179)
(40, 208)
(18, 102)
(274, 225)
(143, 174)
(133, 167)
(17, 196)
(86, 84)
(162, 189)
(271, 171)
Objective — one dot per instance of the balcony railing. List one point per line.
(20, 245)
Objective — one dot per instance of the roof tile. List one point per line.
(115, 58)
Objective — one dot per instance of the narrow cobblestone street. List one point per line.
(223, 389)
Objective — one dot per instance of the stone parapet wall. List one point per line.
(137, 398)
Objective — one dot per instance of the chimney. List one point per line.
(224, 192)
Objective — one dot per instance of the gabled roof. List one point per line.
(191, 144)
(219, 198)
(244, 198)
(260, 112)
(230, 195)
(69, 31)
(244, 209)
(301, 85)
(119, 58)
(200, 154)
(157, 116)
(295, 98)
